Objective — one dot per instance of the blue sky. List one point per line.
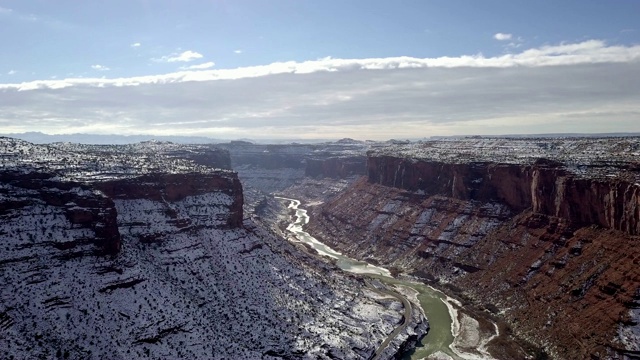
(319, 68)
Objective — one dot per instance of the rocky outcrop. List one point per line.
(175, 187)
(91, 205)
(81, 205)
(82, 181)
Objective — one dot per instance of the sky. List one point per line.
(302, 69)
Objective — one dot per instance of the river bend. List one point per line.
(433, 302)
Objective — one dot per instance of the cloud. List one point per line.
(582, 87)
(135, 45)
(502, 36)
(5, 10)
(203, 66)
(587, 52)
(100, 67)
(237, 51)
(11, 72)
(185, 56)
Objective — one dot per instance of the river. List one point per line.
(434, 303)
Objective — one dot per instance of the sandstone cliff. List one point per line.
(336, 167)
(174, 187)
(545, 186)
(22, 196)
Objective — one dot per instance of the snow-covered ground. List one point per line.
(629, 333)
(81, 162)
(583, 156)
(184, 284)
(195, 292)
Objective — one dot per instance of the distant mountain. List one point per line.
(550, 135)
(37, 137)
(41, 138)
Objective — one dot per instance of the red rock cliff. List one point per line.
(545, 186)
(174, 187)
(82, 207)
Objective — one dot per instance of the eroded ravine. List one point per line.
(437, 306)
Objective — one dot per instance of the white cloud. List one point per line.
(203, 66)
(587, 52)
(135, 45)
(583, 87)
(5, 10)
(100, 67)
(237, 51)
(502, 36)
(11, 72)
(184, 56)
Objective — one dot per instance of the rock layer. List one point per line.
(82, 207)
(175, 187)
(336, 167)
(546, 187)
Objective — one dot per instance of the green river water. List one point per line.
(439, 337)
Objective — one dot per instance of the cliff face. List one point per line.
(555, 251)
(336, 167)
(545, 186)
(176, 187)
(80, 205)
(91, 205)
(571, 289)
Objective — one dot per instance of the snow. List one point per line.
(629, 335)
(81, 162)
(584, 156)
(199, 292)
(468, 343)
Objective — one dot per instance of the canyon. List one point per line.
(546, 241)
(539, 233)
(181, 250)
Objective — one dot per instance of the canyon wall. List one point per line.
(267, 169)
(545, 186)
(176, 187)
(91, 205)
(89, 213)
(336, 167)
(552, 250)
